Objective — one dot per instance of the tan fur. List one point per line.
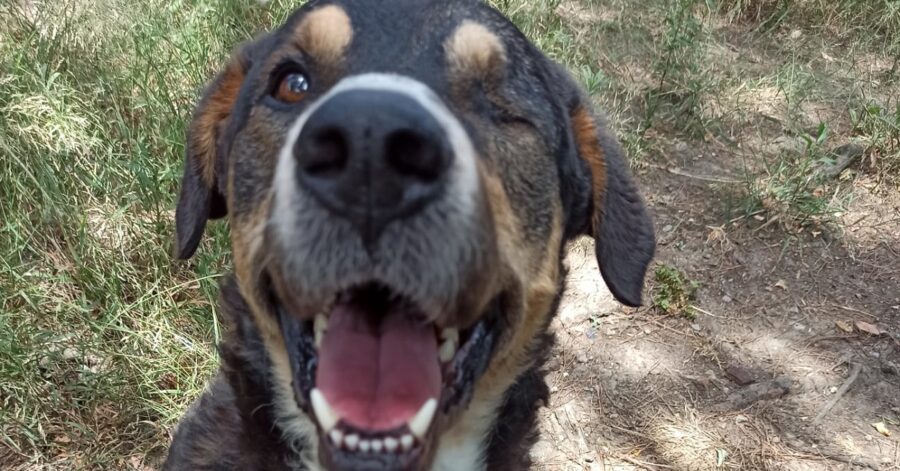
(539, 284)
(588, 142)
(325, 33)
(209, 118)
(247, 243)
(297, 427)
(475, 51)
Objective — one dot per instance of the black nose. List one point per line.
(372, 157)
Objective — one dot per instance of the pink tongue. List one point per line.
(376, 376)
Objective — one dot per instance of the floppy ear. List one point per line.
(622, 229)
(201, 196)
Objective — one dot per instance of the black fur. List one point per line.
(626, 239)
(196, 204)
(524, 133)
(199, 202)
(232, 426)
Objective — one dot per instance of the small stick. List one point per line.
(642, 464)
(854, 373)
(630, 432)
(706, 178)
(848, 308)
(767, 224)
(754, 213)
(704, 311)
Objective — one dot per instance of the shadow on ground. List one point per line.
(635, 389)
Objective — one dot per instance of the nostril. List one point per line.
(324, 152)
(413, 154)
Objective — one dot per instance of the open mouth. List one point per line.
(379, 378)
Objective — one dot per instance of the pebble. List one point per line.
(696, 327)
(739, 374)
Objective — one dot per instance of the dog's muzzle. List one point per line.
(381, 262)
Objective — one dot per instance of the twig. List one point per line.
(746, 216)
(884, 222)
(704, 311)
(674, 234)
(822, 338)
(706, 178)
(644, 465)
(630, 432)
(854, 461)
(767, 224)
(854, 373)
(817, 455)
(661, 325)
(848, 308)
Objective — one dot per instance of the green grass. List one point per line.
(674, 294)
(104, 339)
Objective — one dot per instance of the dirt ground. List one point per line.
(748, 383)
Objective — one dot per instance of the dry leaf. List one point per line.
(781, 284)
(844, 325)
(882, 429)
(868, 328)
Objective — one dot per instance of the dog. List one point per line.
(400, 180)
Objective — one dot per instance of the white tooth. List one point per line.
(364, 446)
(391, 444)
(450, 333)
(447, 351)
(406, 442)
(377, 445)
(422, 420)
(337, 437)
(351, 441)
(326, 416)
(319, 327)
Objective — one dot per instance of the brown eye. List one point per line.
(293, 88)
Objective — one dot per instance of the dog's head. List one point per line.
(400, 179)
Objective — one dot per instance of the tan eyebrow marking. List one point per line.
(474, 50)
(325, 33)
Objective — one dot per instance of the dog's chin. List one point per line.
(379, 379)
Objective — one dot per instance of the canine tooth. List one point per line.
(450, 333)
(377, 445)
(337, 437)
(447, 351)
(364, 445)
(391, 444)
(422, 420)
(406, 441)
(327, 417)
(351, 441)
(319, 327)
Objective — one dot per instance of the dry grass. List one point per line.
(104, 339)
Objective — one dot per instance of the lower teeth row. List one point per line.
(352, 442)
